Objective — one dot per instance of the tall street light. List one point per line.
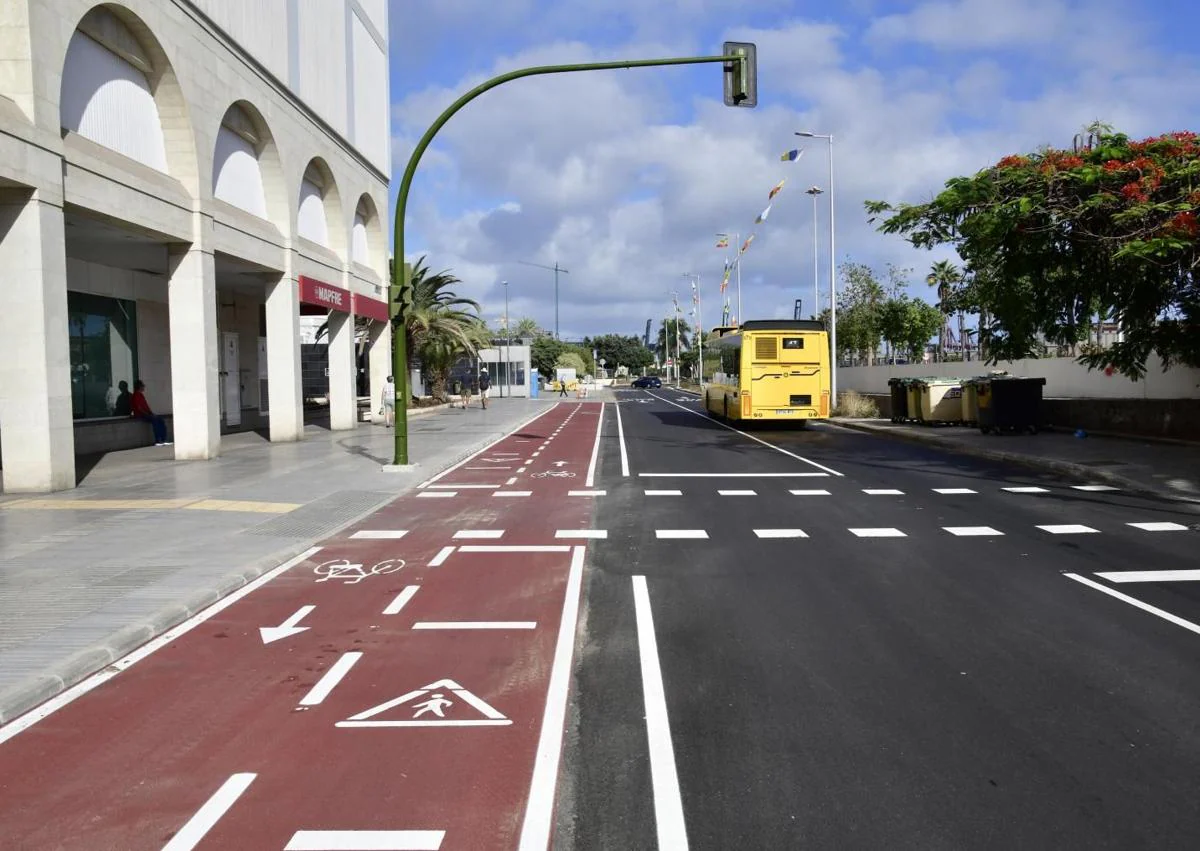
(814, 191)
(555, 269)
(675, 320)
(832, 273)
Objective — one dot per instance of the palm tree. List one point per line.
(442, 336)
(943, 275)
(666, 338)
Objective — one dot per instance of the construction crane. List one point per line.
(555, 269)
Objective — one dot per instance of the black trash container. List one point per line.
(899, 388)
(1009, 403)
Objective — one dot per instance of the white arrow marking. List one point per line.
(286, 629)
(558, 463)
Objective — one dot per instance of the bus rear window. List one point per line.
(793, 342)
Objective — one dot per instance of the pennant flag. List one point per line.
(792, 156)
(723, 242)
(762, 217)
(725, 277)
(777, 189)
(746, 244)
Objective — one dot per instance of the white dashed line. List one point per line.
(1152, 576)
(663, 534)
(780, 533)
(664, 493)
(1069, 529)
(513, 493)
(401, 600)
(380, 534)
(1094, 488)
(337, 671)
(489, 534)
(440, 559)
(515, 548)
(1026, 490)
(511, 481)
(738, 493)
(466, 487)
(475, 625)
(587, 493)
(972, 531)
(809, 493)
(202, 822)
(878, 533)
(1159, 527)
(954, 491)
(374, 840)
(882, 492)
(581, 533)
(436, 494)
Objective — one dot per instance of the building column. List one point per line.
(285, 401)
(195, 350)
(36, 424)
(343, 397)
(379, 358)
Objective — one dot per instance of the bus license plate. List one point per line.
(780, 411)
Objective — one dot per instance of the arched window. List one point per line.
(106, 94)
(237, 174)
(360, 248)
(311, 222)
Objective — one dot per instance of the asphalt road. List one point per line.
(865, 690)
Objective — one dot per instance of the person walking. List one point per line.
(562, 386)
(140, 409)
(485, 384)
(387, 403)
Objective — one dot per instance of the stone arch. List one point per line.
(319, 210)
(246, 169)
(368, 244)
(120, 90)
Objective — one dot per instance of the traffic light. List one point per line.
(741, 76)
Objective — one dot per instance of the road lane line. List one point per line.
(474, 455)
(780, 533)
(504, 548)
(487, 468)
(809, 493)
(738, 493)
(1094, 488)
(591, 473)
(1026, 490)
(668, 803)
(436, 494)
(439, 559)
(401, 600)
(587, 493)
(680, 534)
(664, 493)
(512, 480)
(202, 822)
(1145, 607)
(1152, 576)
(465, 487)
(380, 534)
(621, 437)
(1159, 527)
(366, 840)
(477, 534)
(751, 437)
(882, 492)
(522, 469)
(539, 811)
(475, 625)
(512, 493)
(581, 533)
(27, 720)
(953, 491)
(886, 532)
(972, 531)
(1069, 529)
(337, 671)
(735, 475)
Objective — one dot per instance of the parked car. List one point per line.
(648, 381)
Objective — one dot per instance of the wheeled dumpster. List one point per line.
(970, 396)
(899, 388)
(940, 400)
(1009, 403)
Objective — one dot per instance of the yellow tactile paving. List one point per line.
(251, 506)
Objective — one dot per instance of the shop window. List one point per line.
(103, 345)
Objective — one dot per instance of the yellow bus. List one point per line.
(771, 369)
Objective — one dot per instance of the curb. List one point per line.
(1069, 468)
(60, 676)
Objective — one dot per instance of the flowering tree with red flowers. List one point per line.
(1056, 240)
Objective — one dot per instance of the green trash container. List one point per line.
(899, 388)
(1010, 403)
(940, 400)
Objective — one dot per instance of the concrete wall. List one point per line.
(1064, 378)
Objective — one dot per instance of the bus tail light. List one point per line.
(824, 403)
(745, 404)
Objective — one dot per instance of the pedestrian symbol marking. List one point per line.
(352, 574)
(441, 704)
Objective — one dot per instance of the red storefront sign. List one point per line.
(372, 308)
(321, 294)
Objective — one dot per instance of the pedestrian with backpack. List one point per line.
(485, 384)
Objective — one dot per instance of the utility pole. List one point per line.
(507, 342)
(555, 269)
(814, 191)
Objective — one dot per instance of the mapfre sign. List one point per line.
(324, 295)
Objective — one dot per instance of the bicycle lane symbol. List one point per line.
(351, 574)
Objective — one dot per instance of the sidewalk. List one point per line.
(1166, 470)
(145, 542)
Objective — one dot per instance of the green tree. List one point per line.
(1056, 241)
(571, 360)
(441, 326)
(544, 352)
(945, 276)
(620, 350)
(667, 341)
(860, 302)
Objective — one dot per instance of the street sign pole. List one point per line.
(740, 64)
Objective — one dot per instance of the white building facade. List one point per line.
(179, 183)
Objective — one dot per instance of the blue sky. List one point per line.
(625, 176)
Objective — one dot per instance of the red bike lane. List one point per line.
(404, 687)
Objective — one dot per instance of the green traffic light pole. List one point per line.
(399, 286)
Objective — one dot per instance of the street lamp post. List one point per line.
(814, 191)
(675, 321)
(507, 341)
(695, 278)
(832, 273)
(555, 269)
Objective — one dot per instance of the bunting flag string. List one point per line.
(722, 241)
(778, 188)
(793, 155)
(746, 244)
(762, 217)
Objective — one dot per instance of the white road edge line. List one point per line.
(475, 455)
(621, 437)
(668, 803)
(475, 625)
(401, 599)
(24, 722)
(1121, 576)
(202, 822)
(752, 437)
(440, 559)
(366, 840)
(1145, 607)
(539, 810)
(734, 475)
(591, 473)
(505, 548)
(337, 671)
